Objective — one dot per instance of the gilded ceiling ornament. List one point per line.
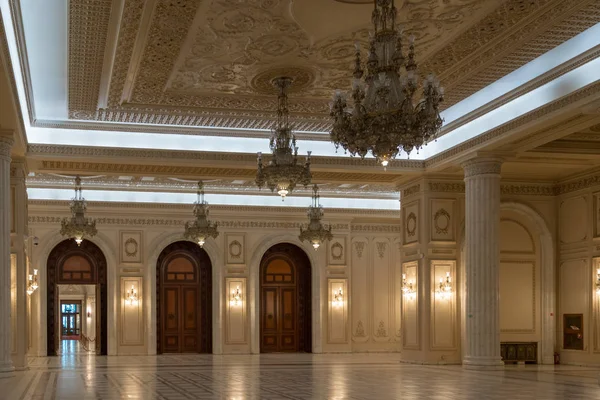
(384, 118)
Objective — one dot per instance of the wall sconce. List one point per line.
(89, 313)
(32, 282)
(408, 287)
(132, 295)
(236, 296)
(598, 281)
(338, 297)
(445, 287)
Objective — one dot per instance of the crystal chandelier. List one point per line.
(201, 228)
(316, 232)
(283, 171)
(78, 226)
(385, 120)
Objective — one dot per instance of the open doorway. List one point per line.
(76, 302)
(77, 325)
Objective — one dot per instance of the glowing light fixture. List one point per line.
(598, 281)
(78, 226)
(132, 296)
(283, 171)
(445, 286)
(32, 282)
(236, 296)
(315, 232)
(201, 228)
(338, 297)
(407, 286)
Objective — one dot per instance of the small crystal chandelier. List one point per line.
(78, 226)
(201, 228)
(283, 171)
(316, 232)
(384, 119)
(132, 295)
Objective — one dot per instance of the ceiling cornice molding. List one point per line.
(217, 208)
(5, 55)
(235, 224)
(45, 150)
(482, 140)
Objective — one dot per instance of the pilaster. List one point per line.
(482, 262)
(19, 233)
(6, 364)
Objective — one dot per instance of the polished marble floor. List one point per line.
(80, 375)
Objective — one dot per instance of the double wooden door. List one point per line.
(285, 304)
(181, 316)
(279, 319)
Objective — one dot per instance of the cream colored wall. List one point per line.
(579, 252)
(132, 246)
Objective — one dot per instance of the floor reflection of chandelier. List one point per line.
(283, 171)
(384, 118)
(78, 226)
(316, 232)
(200, 229)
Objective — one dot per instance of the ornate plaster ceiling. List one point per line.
(210, 62)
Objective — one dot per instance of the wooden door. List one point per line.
(180, 324)
(284, 317)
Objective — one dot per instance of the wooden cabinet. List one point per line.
(513, 352)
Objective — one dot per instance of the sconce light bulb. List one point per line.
(316, 245)
(78, 240)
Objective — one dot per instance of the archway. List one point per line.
(285, 300)
(69, 264)
(183, 299)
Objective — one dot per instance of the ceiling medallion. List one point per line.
(78, 226)
(301, 79)
(384, 119)
(315, 232)
(283, 171)
(201, 228)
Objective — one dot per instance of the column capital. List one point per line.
(18, 168)
(6, 144)
(488, 165)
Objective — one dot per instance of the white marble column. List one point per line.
(6, 365)
(482, 256)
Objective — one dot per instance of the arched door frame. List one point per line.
(205, 290)
(211, 248)
(56, 259)
(315, 259)
(548, 278)
(39, 309)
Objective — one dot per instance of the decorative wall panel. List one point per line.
(397, 291)
(573, 220)
(236, 248)
(359, 289)
(336, 251)
(380, 257)
(410, 220)
(13, 303)
(337, 315)
(574, 281)
(517, 292)
(132, 316)
(596, 221)
(442, 222)
(410, 309)
(235, 311)
(131, 247)
(596, 306)
(443, 307)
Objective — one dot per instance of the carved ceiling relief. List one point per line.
(237, 48)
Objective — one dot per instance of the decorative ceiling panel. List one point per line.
(210, 62)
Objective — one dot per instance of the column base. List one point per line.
(483, 363)
(6, 371)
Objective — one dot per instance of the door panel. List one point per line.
(190, 320)
(171, 310)
(181, 316)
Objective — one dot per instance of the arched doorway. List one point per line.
(183, 299)
(69, 264)
(285, 300)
